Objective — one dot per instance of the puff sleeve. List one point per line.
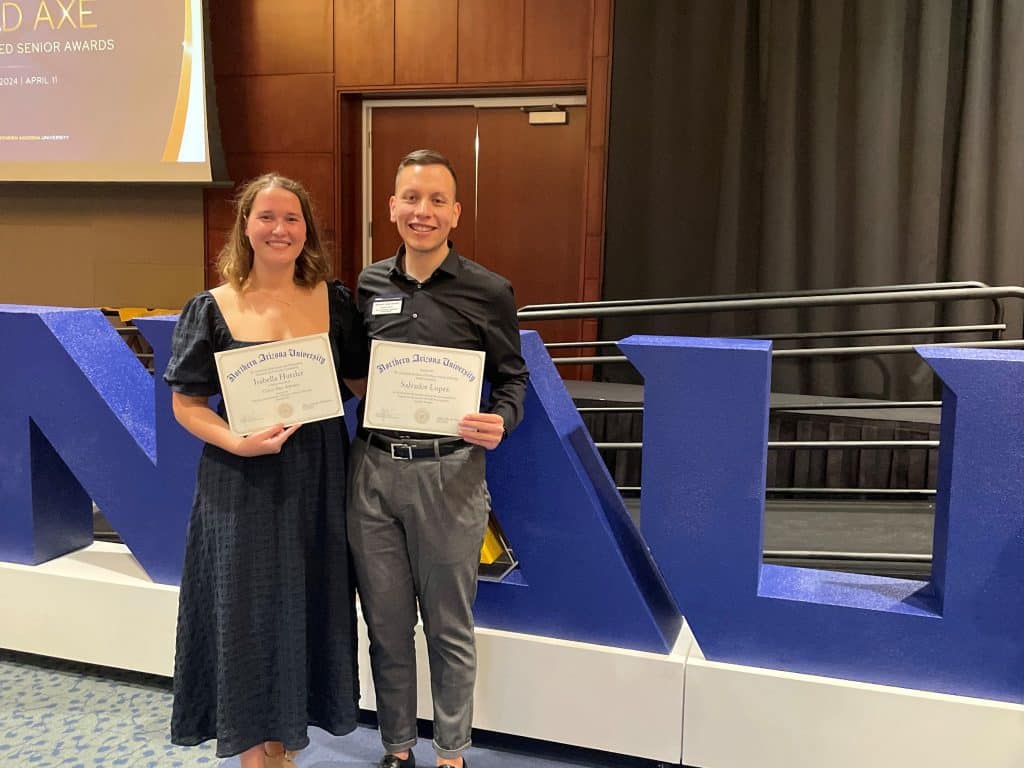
(191, 369)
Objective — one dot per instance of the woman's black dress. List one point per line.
(266, 641)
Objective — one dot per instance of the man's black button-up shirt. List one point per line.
(461, 305)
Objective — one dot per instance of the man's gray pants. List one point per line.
(415, 529)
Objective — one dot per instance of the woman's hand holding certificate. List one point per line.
(283, 382)
(418, 388)
(264, 442)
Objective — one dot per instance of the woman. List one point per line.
(266, 619)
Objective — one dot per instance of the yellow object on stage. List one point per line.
(127, 314)
(492, 548)
(496, 557)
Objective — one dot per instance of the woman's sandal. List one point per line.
(284, 760)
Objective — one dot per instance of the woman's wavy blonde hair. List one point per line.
(235, 259)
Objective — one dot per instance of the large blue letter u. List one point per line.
(705, 432)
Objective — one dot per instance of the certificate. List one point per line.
(283, 382)
(417, 388)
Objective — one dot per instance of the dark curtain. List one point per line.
(773, 145)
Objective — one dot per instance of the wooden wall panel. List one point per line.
(101, 245)
(556, 40)
(364, 42)
(595, 190)
(490, 41)
(349, 253)
(277, 113)
(592, 264)
(219, 205)
(426, 44)
(261, 37)
(597, 100)
(601, 44)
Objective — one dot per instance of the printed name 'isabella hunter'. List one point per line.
(266, 357)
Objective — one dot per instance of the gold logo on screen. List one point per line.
(49, 14)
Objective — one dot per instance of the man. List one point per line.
(418, 505)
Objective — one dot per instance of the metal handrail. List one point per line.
(790, 302)
(853, 406)
(872, 491)
(538, 311)
(891, 349)
(767, 294)
(797, 490)
(853, 444)
(999, 327)
(872, 404)
(818, 554)
(561, 344)
(809, 444)
(924, 330)
(590, 360)
(918, 293)
(884, 349)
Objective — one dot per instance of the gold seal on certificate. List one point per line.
(283, 382)
(418, 388)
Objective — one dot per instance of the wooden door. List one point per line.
(530, 210)
(395, 132)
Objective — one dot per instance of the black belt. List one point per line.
(407, 449)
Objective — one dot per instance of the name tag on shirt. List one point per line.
(386, 307)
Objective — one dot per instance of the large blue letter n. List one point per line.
(78, 424)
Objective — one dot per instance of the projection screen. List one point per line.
(103, 90)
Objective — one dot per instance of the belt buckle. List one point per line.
(403, 446)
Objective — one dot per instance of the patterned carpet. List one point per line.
(57, 713)
(62, 714)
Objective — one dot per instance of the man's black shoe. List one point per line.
(394, 761)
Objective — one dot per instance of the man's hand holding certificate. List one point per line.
(421, 389)
(283, 382)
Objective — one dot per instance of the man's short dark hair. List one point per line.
(426, 157)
